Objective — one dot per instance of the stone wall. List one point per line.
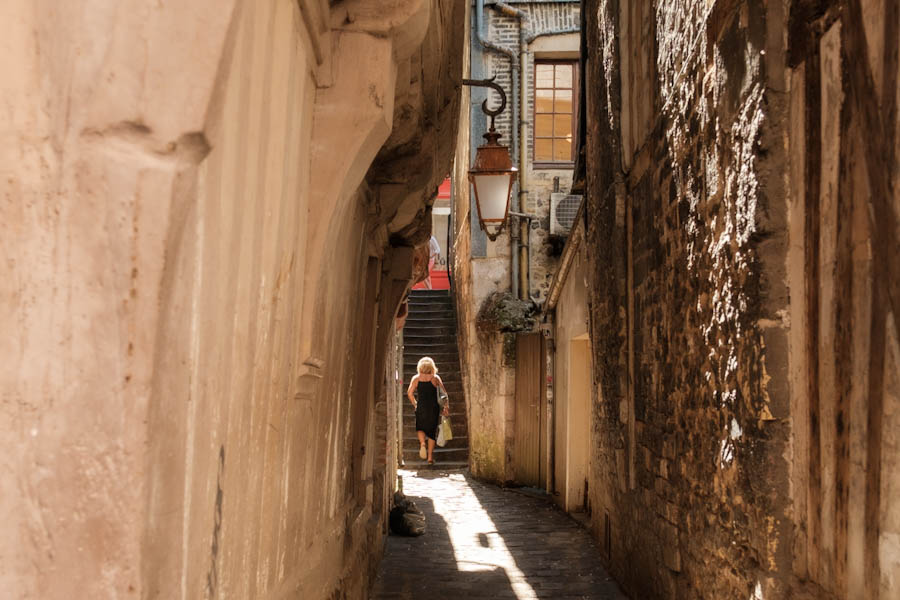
(741, 393)
(488, 358)
(204, 273)
(543, 18)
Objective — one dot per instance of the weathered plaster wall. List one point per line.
(844, 207)
(488, 382)
(202, 290)
(486, 358)
(571, 389)
(736, 289)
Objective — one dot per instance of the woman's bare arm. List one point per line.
(446, 411)
(412, 386)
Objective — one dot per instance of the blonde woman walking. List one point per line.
(428, 412)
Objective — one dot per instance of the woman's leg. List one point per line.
(421, 435)
(428, 279)
(430, 449)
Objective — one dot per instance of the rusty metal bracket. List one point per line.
(489, 83)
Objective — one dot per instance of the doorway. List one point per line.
(530, 446)
(578, 425)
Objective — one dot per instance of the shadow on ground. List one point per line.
(426, 567)
(486, 542)
(556, 555)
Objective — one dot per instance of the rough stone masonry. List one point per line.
(741, 176)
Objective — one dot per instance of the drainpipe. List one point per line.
(563, 31)
(481, 35)
(524, 236)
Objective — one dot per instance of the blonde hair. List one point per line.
(426, 366)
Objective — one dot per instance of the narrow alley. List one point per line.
(483, 541)
(609, 288)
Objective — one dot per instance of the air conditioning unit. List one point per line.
(563, 208)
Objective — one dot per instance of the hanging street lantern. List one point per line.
(492, 175)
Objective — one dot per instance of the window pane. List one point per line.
(562, 149)
(543, 125)
(543, 150)
(563, 101)
(543, 75)
(562, 126)
(564, 76)
(543, 101)
(554, 111)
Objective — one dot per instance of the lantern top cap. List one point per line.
(492, 157)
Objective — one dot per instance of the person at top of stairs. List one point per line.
(434, 250)
(426, 383)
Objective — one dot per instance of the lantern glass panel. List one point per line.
(493, 195)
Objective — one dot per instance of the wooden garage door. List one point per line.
(530, 445)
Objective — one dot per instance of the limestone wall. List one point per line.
(735, 217)
(202, 289)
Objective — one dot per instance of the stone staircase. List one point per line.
(431, 331)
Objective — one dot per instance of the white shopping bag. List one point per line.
(445, 434)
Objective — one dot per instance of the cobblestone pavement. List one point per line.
(486, 542)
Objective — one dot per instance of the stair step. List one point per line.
(429, 294)
(458, 442)
(441, 459)
(409, 433)
(429, 349)
(445, 453)
(426, 339)
(430, 341)
(430, 330)
(426, 307)
(458, 422)
(440, 466)
(436, 326)
(457, 410)
(447, 356)
(432, 307)
(415, 320)
(457, 417)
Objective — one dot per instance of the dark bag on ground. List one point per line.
(405, 517)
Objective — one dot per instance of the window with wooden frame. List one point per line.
(555, 86)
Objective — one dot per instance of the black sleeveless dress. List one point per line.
(428, 412)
